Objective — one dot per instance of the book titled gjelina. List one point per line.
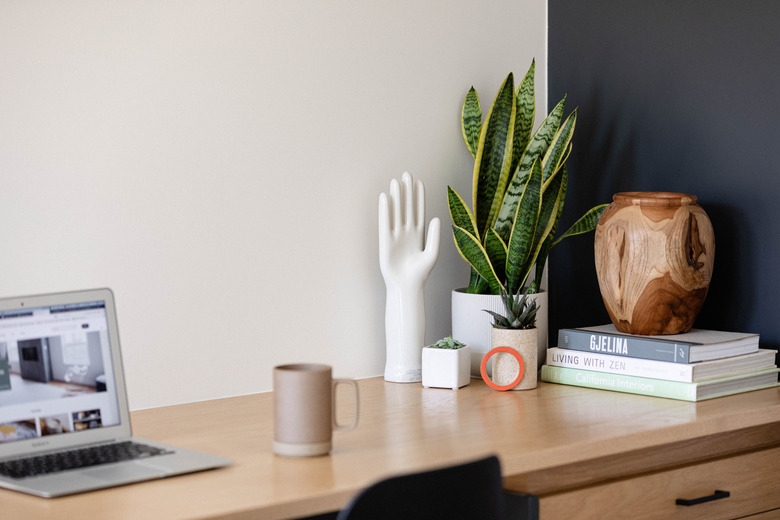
(690, 347)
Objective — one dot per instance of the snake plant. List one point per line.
(518, 189)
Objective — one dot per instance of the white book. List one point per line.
(687, 373)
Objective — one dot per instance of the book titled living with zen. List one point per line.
(689, 347)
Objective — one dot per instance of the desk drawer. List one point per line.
(751, 479)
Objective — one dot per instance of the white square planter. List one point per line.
(446, 368)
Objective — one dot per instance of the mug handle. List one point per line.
(345, 427)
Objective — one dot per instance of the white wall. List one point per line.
(218, 163)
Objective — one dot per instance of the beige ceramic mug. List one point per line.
(305, 409)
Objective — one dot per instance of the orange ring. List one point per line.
(520, 372)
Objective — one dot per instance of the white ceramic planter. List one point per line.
(474, 327)
(505, 366)
(446, 368)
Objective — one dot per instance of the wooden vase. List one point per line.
(654, 258)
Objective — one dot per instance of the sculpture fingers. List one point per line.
(384, 215)
(408, 199)
(419, 189)
(395, 205)
(384, 232)
(432, 243)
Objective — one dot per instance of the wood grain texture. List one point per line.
(749, 478)
(552, 439)
(654, 259)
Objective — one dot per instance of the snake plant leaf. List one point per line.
(494, 156)
(554, 196)
(523, 231)
(472, 252)
(559, 148)
(536, 149)
(477, 284)
(542, 261)
(544, 135)
(496, 250)
(525, 102)
(471, 121)
(553, 193)
(586, 223)
(462, 217)
(459, 212)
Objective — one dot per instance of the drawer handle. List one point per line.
(692, 502)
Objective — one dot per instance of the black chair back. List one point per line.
(471, 491)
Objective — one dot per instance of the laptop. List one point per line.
(64, 419)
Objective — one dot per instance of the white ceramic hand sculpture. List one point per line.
(405, 266)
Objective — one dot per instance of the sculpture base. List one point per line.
(403, 375)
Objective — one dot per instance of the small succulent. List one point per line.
(448, 343)
(520, 313)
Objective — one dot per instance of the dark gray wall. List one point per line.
(674, 96)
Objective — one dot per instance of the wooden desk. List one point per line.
(568, 445)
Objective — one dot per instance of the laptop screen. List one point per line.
(56, 374)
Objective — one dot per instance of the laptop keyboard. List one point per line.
(80, 458)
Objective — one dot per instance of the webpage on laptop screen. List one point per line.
(55, 371)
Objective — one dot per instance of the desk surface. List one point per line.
(548, 439)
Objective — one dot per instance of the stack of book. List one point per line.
(696, 365)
